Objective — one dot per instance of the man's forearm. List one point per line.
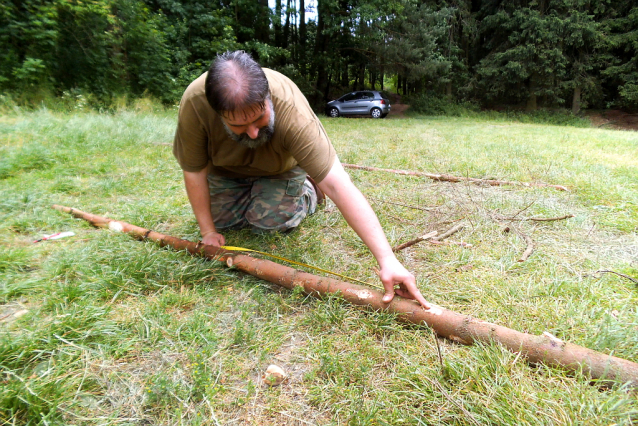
(357, 212)
(199, 197)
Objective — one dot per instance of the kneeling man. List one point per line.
(254, 154)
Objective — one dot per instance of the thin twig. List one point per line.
(431, 237)
(450, 178)
(414, 241)
(619, 274)
(438, 349)
(530, 247)
(524, 208)
(536, 219)
(453, 230)
(452, 400)
(427, 209)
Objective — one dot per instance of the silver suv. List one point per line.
(365, 102)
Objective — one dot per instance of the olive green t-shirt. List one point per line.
(299, 137)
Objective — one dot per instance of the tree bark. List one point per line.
(302, 38)
(286, 39)
(456, 327)
(277, 24)
(321, 41)
(532, 104)
(576, 100)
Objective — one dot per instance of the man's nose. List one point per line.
(252, 132)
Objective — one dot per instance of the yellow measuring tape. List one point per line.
(231, 248)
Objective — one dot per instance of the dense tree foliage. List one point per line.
(526, 53)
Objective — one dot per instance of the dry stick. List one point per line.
(453, 230)
(450, 178)
(537, 219)
(414, 241)
(431, 236)
(427, 209)
(635, 281)
(454, 326)
(530, 247)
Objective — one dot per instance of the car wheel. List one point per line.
(333, 112)
(375, 113)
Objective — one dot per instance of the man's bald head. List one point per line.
(236, 83)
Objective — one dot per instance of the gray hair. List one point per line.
(236, 82)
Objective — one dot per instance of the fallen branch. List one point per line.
(536, 219)
(530, 247)
(635, 281)
(453, 230)
(450, 178)
(456, 327)
(432, 237)
(414, 241)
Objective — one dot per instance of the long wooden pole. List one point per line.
(454, 326)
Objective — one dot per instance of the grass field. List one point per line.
(100, 329)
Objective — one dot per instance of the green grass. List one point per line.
(102, 329)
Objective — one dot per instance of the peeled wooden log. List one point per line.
(450, 178)
(454, 326)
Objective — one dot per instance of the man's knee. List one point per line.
(282, 209)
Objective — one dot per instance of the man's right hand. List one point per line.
(214, 239)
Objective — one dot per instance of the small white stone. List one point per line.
(20, 313)
(274, 375)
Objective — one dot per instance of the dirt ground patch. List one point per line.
(398, 110)
(613, 119)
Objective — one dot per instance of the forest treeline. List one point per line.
(528, 54)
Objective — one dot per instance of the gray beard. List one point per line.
(264, 136)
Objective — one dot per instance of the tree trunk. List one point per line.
(532, 99)
(321, 41)
(286, 40)
(576, 100)
(262, 32)
(302, 37)
(277, 24)
(345, 79)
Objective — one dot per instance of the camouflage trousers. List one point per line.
(272, 203)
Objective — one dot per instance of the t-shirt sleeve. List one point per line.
(313, 150)
(190, 145)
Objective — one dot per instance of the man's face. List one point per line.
(252, 127)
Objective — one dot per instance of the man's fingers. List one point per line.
(404, 293)
(387, 298)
